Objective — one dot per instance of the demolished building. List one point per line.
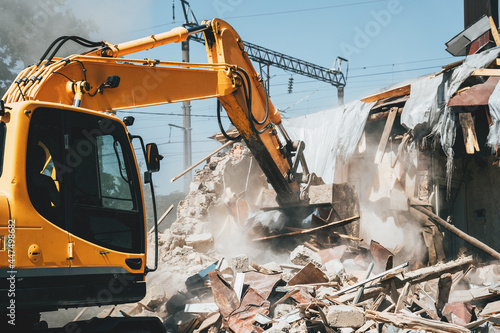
(433, 140)
(423, 158)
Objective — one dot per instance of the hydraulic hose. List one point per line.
(62, 40)
(219, 120)
(247, 88)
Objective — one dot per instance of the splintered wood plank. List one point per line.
(452, 65)
(305, 231)
(486, 72)
(469, 131)
(400, 91)
(412, 322)
(494, 31)
(491, 309)
(385, 135)
(402, 298)
(444, 287)
(421, 304)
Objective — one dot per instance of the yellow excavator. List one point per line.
(72, 216)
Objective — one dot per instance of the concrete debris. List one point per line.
(319, 281)
(279, 327)
(201, 242)
(335, 270)
(303, 256)
(272, 221)
(345, 316)
(283, 309)
(240, 263)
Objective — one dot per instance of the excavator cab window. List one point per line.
(92, 164)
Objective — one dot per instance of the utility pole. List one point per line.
(340, 95)
(186, 106)
(186, 111)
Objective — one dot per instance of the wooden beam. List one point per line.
(469, 239)
(452, 65)
(401, 91)
(434, 272)
(486, 72)
(494, 31)
(415, 277)
(162, 218)
(424, 306)
(402, 298)
(227, 144)
(381, 115)
(444, 288)
(385, 135)
(469, 131)
(409, 321)
(306, 231)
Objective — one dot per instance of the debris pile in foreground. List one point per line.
(218, 273)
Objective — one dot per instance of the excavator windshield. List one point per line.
(80, 177)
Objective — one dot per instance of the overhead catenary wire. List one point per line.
(398, 71)
(270, 14)
(306, 9)
(401, 63)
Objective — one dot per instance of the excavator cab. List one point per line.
(70, 178)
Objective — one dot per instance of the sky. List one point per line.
(385, 42)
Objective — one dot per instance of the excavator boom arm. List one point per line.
(101, 81)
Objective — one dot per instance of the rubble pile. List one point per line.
(225, 267)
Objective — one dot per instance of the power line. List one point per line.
(400, 71)
(400, 63)
(306, 9)
(174, 114)
(264, 14)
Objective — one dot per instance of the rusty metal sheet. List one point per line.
(302, 296)
(307, 275)
(476, 95)
(251, 297)
(263, 284)
(224, 295)
(243, 321)
(380, 254)
(210, 321)
(458, 313)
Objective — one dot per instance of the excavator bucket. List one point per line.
(342, 198)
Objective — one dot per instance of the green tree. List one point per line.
(28, 27)
(162, 204)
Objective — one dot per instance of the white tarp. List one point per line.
(427, 112)
(494, 105)
(336, 132)
(329, 134)
(420, 111)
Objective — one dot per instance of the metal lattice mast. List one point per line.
(266, 56)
